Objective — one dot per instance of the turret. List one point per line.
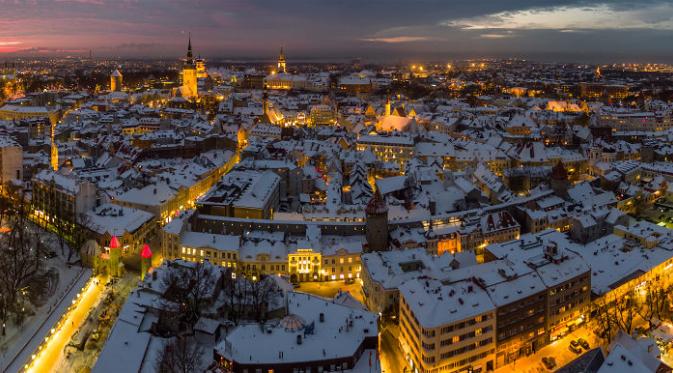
(377, 223)
(559, 180)
(116, 79)
(115, 257)
(145, 260)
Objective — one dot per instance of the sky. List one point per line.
(374, 30)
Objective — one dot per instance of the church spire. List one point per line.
(54, 149)
(281, 61)
(189, 46)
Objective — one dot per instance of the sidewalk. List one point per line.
(37, 337)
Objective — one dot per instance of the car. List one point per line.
(549, 362)
(583, 342)
(576, 349)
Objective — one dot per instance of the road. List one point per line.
(558, 349)
(392, 356)
(52, 350)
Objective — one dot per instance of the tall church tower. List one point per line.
(282, 68)
(189, 81)
(116, 79)
(54, 149)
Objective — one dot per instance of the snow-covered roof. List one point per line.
(341, 334)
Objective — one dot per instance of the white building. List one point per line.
(11, 161)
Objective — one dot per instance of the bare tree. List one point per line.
(191, 287)
(625, 312)
(21, 260)
(603, 317)
(260, 296)
(654, 302)
(180, 355)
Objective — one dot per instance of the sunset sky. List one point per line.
(582, 30)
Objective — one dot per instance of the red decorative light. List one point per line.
(146, 252)
(114, 242)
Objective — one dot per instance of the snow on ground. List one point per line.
(19, 338)
(32, 337)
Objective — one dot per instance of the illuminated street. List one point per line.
(392, 356)
(52, 351)
(557, 349)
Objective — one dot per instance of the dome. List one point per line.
(292, 323)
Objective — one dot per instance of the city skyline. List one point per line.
(565, 31)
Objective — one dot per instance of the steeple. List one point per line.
(189, 46)
(54, 149)
(281, 61)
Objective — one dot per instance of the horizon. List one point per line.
(564, 31)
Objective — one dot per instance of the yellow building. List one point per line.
(322, 115)
(116, 79)
(341, 265)
(304, 265)
(19, 112)
(201, 68)
(393, 149)
(189, 89)
(282, 68)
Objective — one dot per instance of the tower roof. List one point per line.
(146, 252)
(116, 73)
(558, 172)
(189, 47)
(376, 205)
(114, 242)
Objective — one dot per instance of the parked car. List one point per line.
(575, 348)
(549, 362)
(583, 342)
